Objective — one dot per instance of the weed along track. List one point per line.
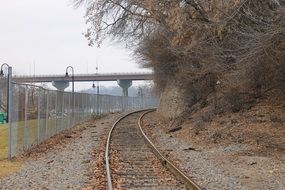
(132, 162)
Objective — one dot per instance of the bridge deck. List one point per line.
(84, 77)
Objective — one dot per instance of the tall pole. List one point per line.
(9, 111)
(9, 106)
(94, 103)
(2, 75)
(98, 101)
(73, 99)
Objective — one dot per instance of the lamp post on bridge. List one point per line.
(9, 106)
(73, 99)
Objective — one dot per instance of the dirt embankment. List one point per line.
(243, 136)
(262, 128)
(257, 122)
(232, 158)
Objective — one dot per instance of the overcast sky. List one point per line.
(45, 36)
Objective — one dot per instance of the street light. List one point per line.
(2, 75)
(98, 101)
(93, 108)
(73, 102)
(2, 72)
(9, 105)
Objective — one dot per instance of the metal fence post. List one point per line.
(74, 115)
(101, 98)
(39, 116)
(97, 106)
(88, 105)
(47, 110)
(83, 107)
(69, 106)
(10, 111)
(55, 113)
(26, 115)
(62, 110)
(108, 104)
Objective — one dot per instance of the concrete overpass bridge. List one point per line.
(61, 82)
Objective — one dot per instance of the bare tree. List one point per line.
(197, 43)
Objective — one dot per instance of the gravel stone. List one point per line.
(64, 168)
(209, 168)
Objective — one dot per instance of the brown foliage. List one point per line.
(217, 48)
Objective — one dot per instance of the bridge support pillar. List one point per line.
(60, 85)
(125, 85)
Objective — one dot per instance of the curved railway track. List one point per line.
(136, 163)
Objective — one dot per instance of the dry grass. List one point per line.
(3, 142)
(22, 140)
(20, 143)
(8, 167)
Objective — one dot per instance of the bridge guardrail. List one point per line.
(82, 77)
(89, 74)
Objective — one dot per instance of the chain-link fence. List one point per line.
(37, 113)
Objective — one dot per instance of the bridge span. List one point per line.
(61, 82)
(83, 77)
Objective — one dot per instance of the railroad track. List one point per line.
(135, 163)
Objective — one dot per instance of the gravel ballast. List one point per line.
(61, 167)
(219, 167)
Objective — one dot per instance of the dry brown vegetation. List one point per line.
(224, 54)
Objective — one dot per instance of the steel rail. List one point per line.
(107, 164)
(165, 162)
(176, 171)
